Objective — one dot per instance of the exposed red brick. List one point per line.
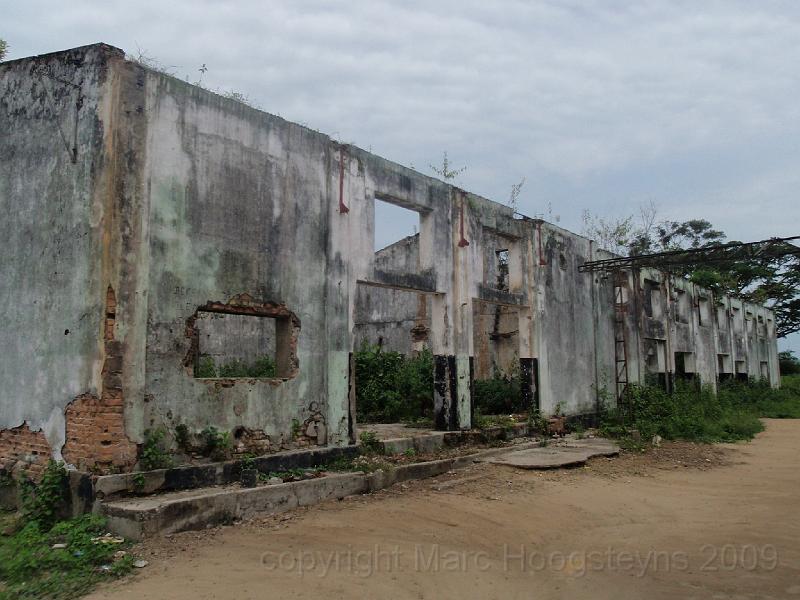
(27, 449)
(96, 437)
(111, 313)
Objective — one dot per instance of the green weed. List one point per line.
(30, 568)
(218, 445)
(41, 502)
(154, 453)
(370, 443)
(263, 367)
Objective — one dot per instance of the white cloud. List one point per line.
(599, 105)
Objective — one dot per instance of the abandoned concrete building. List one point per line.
(151, 225)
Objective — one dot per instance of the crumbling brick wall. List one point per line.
(96, 438)
(23, 450)
(95, 427)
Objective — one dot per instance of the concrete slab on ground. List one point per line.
(570, 453)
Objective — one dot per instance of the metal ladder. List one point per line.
(620, 345)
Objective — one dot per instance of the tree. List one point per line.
(774, 282)
(3, 48)
(614, 235)
(790, 364)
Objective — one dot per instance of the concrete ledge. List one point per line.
(426, 443)
(137, 518)
(429, 443)
(200, 476)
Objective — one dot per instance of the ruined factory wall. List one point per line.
(59, 385)
(239, 215)
(572, 314)
(149, 223)
(679, 330)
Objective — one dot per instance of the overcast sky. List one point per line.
(598, 105)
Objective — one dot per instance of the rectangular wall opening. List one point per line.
(393, 224)
(762, 327)
(393, 363)
(655, 363)
(496, 364)
(232, 346)
(741, 371)
(653, 299)
(724, 367)
(704, 311)
(684, 366)
(502, 262)
(682, 311)
(722, 317)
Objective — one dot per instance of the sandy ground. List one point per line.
(684, 521)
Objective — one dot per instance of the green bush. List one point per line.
(693, 413)
(205, 368)
(370, 442)
(182, 437)
(391, 387)
(782, 403)
(500, 395)
(481, 421)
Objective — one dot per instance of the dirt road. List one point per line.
(686, 522)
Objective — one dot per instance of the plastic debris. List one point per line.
(108, 539)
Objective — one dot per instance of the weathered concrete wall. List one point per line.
(570, 308)
(678, 329)
(58, 155)
(163, 203)
(396, 320)
(238, 205)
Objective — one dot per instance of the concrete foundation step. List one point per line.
(143, 516)
(137, 518)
